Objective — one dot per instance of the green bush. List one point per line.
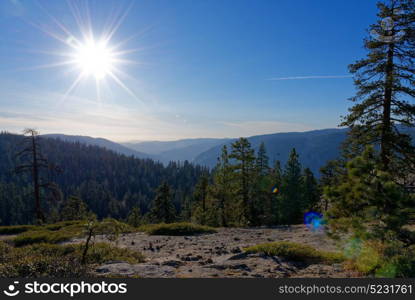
(66, 230)
(16, 229)
(104, 252)
(117, 226)
(41, 260)
(45, 236)
(296, 252)
(176, 229)
(63, 224)
(400, 265)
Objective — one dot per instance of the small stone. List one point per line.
(236, 250)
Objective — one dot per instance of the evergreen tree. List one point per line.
(292, 206)
(311, 191)
(263, 197)
(223, 190)
(200, 199)
(385, 83)
(134, 217)
(276, 198)
(244, 173)
(262, 161)
(186, 209)
(330, 175)
(74, 209)
(163, 210)
(369, 203)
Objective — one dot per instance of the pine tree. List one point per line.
(385, 83)
(263, 197)
(163, 210)
(200, 199)
(276, 199)
(292, 207)
(262, 161)
(244, 169)
(368, 202)
(311, 191)
(330, 175)
(134, 217)
(223, 190)
(74, 209)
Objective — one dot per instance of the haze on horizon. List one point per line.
(182, 69)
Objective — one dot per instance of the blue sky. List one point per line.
(211, 68)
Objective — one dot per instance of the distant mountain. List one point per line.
(180, 150)
(314, 147)
(104, 143)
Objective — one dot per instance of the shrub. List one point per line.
(41, 260)
(16, 229)
(176, 229)
(66, 230)
(43, 236)
(104, 252)
(296, 252)
(119, 227)
(60, 225)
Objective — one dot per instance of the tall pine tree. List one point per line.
(385, 84)
(292, 206)
(163, 210)
(244, 168)
(223, 189)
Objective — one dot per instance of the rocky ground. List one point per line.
(220, 255)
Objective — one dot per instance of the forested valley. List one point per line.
(243, 189)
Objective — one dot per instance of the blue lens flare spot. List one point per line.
(314, 220)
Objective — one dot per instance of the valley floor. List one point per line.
(220, 255)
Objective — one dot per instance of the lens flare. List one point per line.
(275, 190)
(353, 248)
(314, 221)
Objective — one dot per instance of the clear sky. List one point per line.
(185, 69)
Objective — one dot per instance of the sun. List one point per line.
(91, 54)
(94, 58)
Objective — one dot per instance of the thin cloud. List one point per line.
(311, 77)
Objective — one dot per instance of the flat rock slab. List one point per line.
(221, 254)
(141, 270)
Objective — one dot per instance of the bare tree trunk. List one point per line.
(35, 174)
(386, 118)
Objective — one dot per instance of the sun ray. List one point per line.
(46, 66)
(114, 29)
(73, 86)
(121, 84)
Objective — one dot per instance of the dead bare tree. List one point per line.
(35, 164)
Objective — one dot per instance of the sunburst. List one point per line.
(89, 55)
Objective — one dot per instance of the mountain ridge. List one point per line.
(101, 142)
